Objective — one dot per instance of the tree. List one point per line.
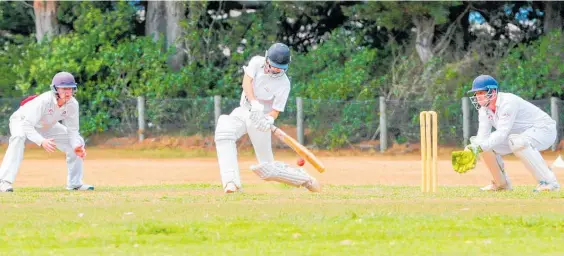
(46, 23)
(553, 12)
(163, 18)
(425, 18)
(16, 18)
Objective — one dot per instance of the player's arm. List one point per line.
(72, 124)
(31, 114)
(505, 122)
(484, 126)
(274, 114)
(250, 72)
(248, 88)
(278, 105)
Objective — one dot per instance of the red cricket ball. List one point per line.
(301, 162)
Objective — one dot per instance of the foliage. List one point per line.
(16, 20)
(108, 62)
(352, 53)
(535, 70)
(399, 15)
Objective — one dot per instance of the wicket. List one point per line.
(429, 137)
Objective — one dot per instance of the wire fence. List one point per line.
(327, 124)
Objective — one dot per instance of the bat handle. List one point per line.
(273, 128)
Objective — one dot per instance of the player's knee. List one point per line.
(518, 142)
(224, 129)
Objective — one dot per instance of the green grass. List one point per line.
(271, 219)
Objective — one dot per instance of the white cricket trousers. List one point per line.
(540, 138)
(14, 155)
(229, 129)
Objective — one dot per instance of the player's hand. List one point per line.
(476, 149)
(463, 161)
(264, 123)
(80, 151)
(49, 145)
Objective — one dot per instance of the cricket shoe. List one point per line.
(495, 187)
(545, 186)
(6, 186)
(230, 187)
(82, 187)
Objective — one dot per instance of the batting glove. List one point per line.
(264, 123)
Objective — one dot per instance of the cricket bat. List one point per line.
(298, 148)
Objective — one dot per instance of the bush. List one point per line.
(534, 71)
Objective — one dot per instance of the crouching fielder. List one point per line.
(37, 119)
(521, 128)
(265, 92)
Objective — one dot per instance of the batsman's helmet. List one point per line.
(278, 55)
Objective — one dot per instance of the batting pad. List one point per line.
(496, 167)
(281, 172)
(226, 148)
(531, 158)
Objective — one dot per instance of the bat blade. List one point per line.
(305, 153)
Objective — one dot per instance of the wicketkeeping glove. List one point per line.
(463, 161)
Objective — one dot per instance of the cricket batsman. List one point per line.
(265, 92)
(521, 128)
(37, 119)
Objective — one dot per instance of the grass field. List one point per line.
(272, 219)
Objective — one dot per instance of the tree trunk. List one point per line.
(174, 15)
(163, 19)
(552, 17)
(155, 23)
(425, 29)
(46, 23)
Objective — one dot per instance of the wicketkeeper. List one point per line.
(521, 128)
(265, 92)
(37, 119)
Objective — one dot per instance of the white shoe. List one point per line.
(82, 187)
(313, 185)
(230, 188)
(544, 186)
(495, 187)
(6, 186)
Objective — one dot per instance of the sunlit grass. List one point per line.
(276, 219)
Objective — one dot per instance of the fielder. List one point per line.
(265, 93)
(37, 119)
(521, 128)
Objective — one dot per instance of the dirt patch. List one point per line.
(350, 170)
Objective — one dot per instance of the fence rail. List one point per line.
(326, 124)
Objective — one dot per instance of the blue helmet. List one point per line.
(484, 83)
(279, 55)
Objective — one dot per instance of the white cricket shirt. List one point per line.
(41, 113)
(271, 92)
(513, 115)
